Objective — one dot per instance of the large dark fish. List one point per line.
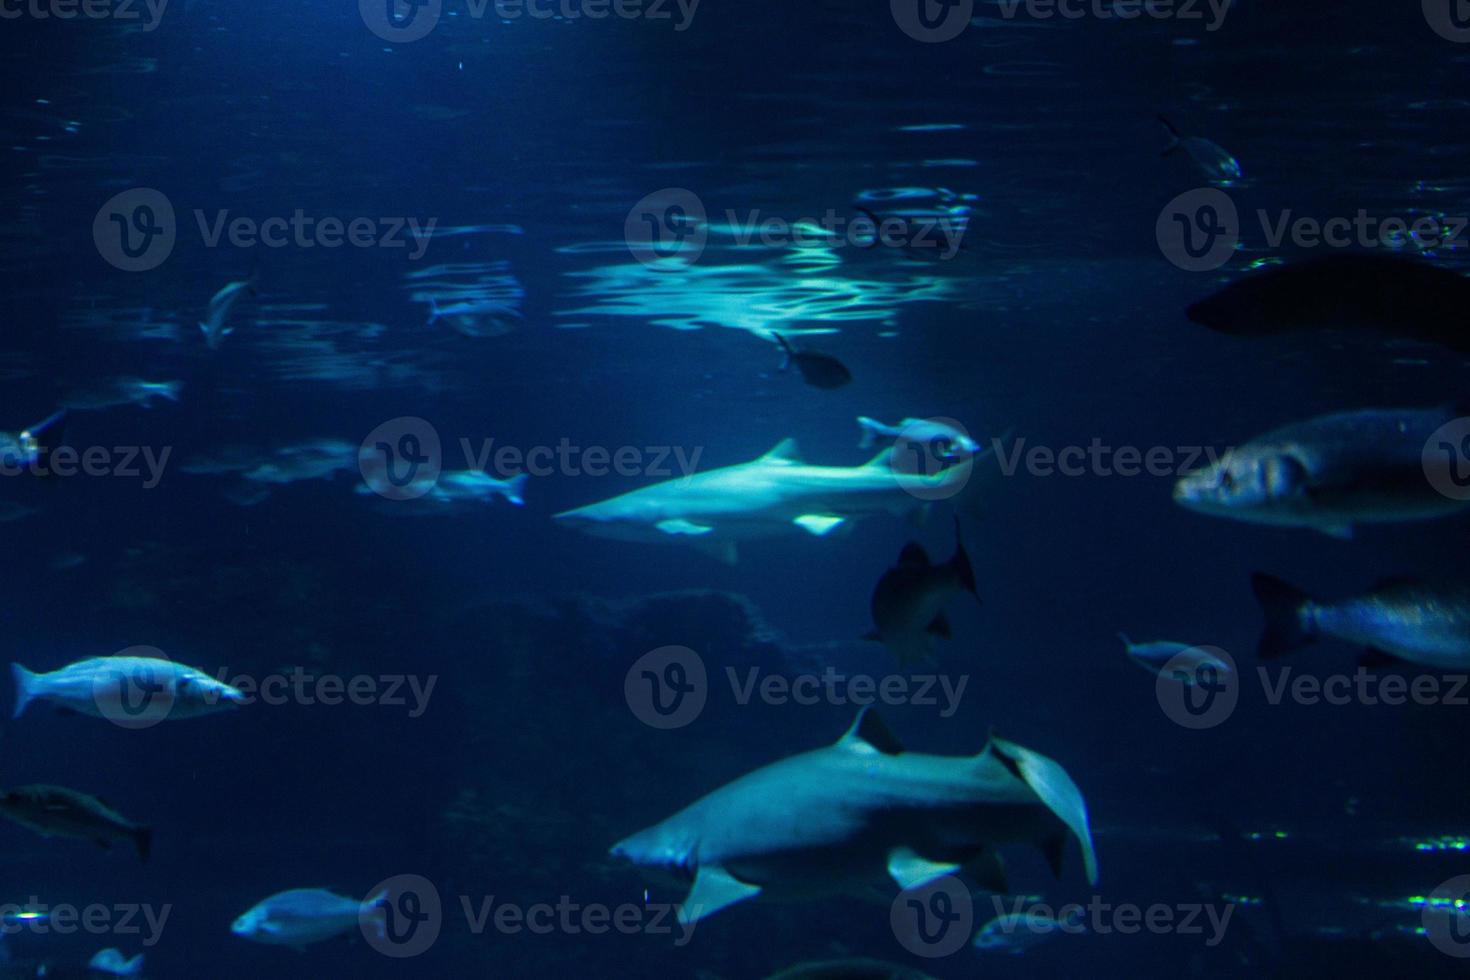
(54, 811)
(1397, 296)
(908, 602)
(1427, 624)
(817, 370)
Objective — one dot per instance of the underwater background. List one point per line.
(531, 143)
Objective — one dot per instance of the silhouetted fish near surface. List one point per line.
(817, 370)
(1211, 159)
(54, 811)
(1397, 296)
(1426, 624)
(908, 602)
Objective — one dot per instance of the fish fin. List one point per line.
(1126, 642)
(714, 889)
(143, 841)
(1049, 781)
(911, 870)
(1281, 603)
(819, 524)
(678, 526)
(373, 912)
(913, 554)
(1175, 141)
(869, 429)
(26, 685)
(961, 562)
(989, 871)
(515, 489)
(870, 735)
(1341, 532)
(940, 627)
(785, 451)
(171, 390)
(1375, 659)
(786, 349)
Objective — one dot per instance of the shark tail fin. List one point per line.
(171, 390)
(1174, 135)
(870, 429)
(26, 688)
(961, 562)
(373, 913)
(434, 313)
(515, 489)
(1056, 790)
(132, 967)
(143, 841)
(1282, 604)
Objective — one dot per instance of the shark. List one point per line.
(863, 813)
(772, 495)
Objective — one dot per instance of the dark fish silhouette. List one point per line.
(54, 811)
(1397, 296)
(908, 602)
(817, 370)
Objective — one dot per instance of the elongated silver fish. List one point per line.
(1329, 473)
(1427, 624)
(54, 811)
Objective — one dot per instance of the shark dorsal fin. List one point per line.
(870, 735)
(786, 451)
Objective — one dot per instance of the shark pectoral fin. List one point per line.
(1050, 782)
(714, 888)
(819, 524)
(870, 736)
(912, 870)
(990, 872)
(940, 628)
(678, 525)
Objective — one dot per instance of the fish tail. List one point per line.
(26, 688)
(785, 348)
(1174, 135)
(514, 489)
(171, 390)
(433, 310)
(143, 841)
(869, 429)
(960, 563)
(1126, 641)
(1282, 604)
(374, 912)
(133, 967)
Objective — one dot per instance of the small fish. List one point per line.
(1211, 159)
(853, 968)
(476, 318)
(54, 811)
(173, 690)
(942, 440)
(215, 323)
(24, 448)
(1328, 474)
(114, 963)
(1016, 932)
(126, 391)
(1401, 619)
(319, 459)
(1188, 660)
(817, 370)
(1391, 295)
(303, 916)
(908, 602)
(476, 485)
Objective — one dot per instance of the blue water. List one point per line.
(1060, 322)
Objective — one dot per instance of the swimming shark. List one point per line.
(862, 813)
(767, 496)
